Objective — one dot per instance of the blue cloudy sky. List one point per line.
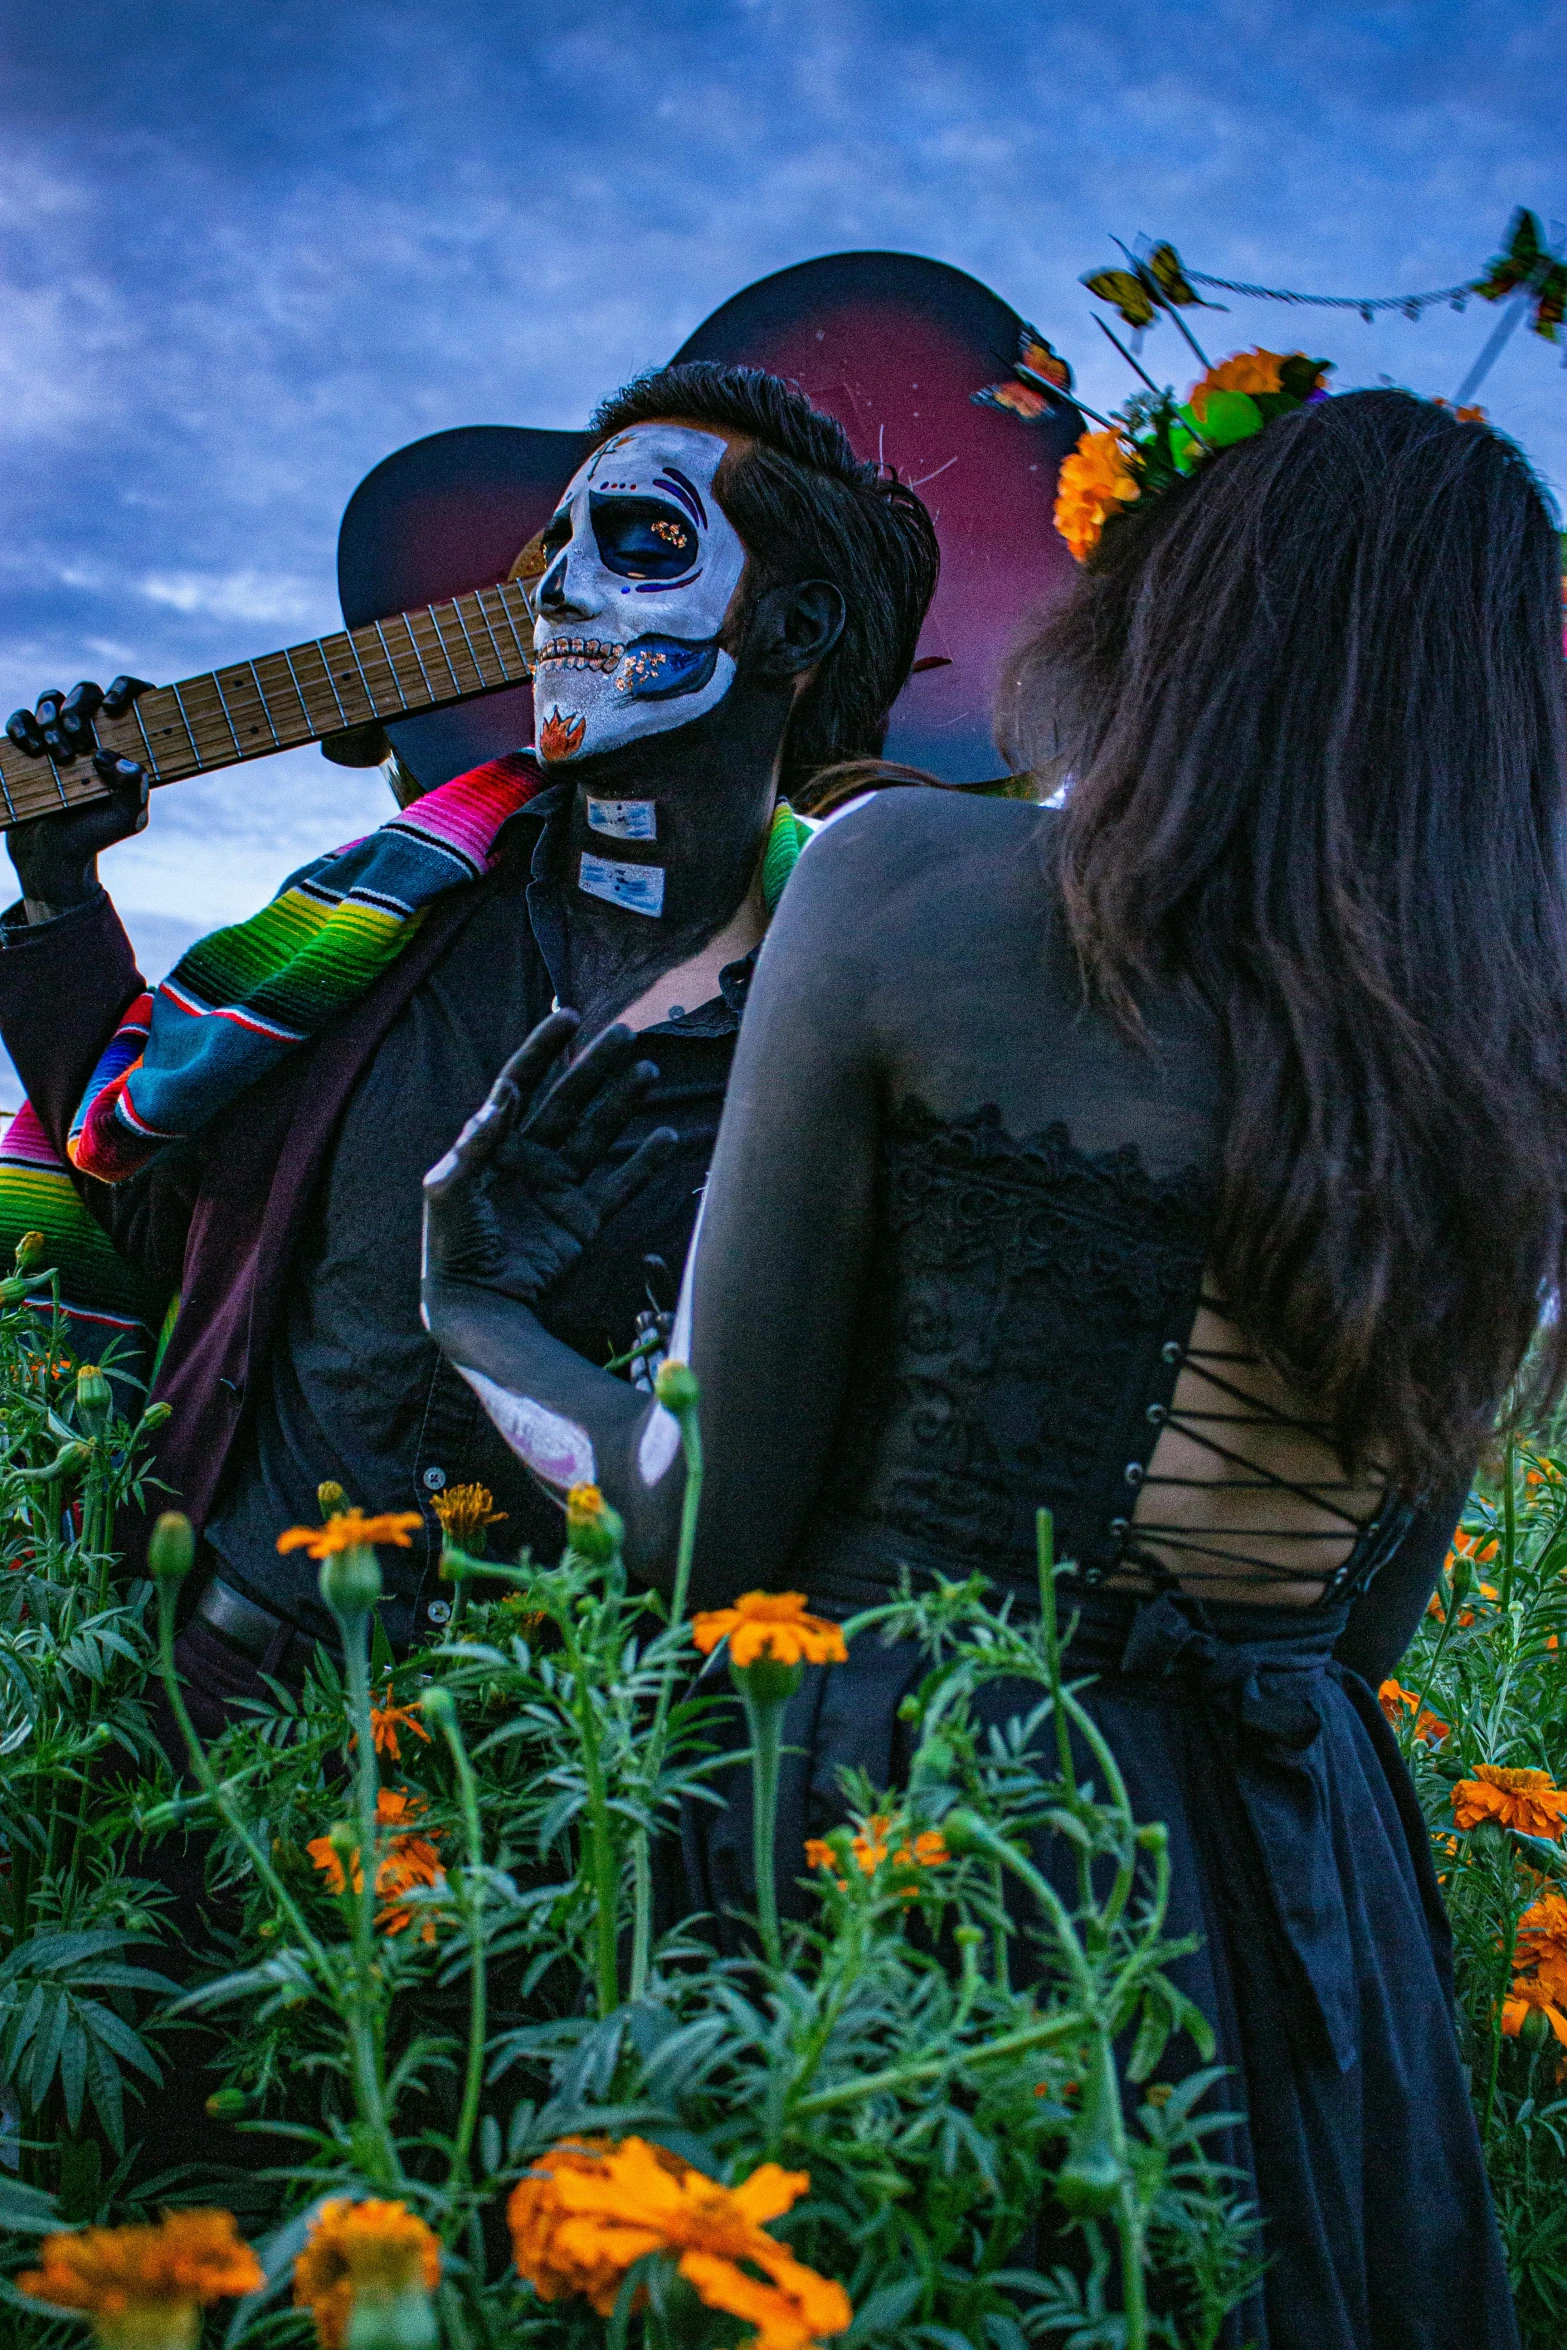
(251, 249)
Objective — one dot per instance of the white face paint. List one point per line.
(643, 562)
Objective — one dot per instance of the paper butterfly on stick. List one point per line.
(1155, 282)
(1526, 265)
(1041, 378)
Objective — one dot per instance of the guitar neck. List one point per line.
(451, 652)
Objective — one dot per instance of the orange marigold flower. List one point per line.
(411, 1861)
(586, 2214)
(1395, 1696)
(1525, 1995)
(1094, 482)
(873, 1844)
(773, 1624)
(1525, 1800)
(1247, 371)
(382, 2250)
(145, 2288)
(466, 1510)
(386, 1719)
(352, 1530)
(1542, 1943)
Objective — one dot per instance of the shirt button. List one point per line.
(434, 1479)
(439, 1611)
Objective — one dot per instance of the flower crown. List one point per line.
(1151, 442)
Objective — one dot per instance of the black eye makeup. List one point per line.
(642, 538)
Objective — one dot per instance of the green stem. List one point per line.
(641, 1857)
(1045, 2034)
(1496, 2023)
(473, 1918)
(764, 1720)
(1134, 2298)
(363, 2019)
(1509, 1517)
(600, 1856)
(212, 1787)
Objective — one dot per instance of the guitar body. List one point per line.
(895, 347)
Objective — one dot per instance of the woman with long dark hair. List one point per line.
(1193, 1161)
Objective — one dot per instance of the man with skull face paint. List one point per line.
(730, 599)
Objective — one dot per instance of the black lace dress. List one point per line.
(916, 1320)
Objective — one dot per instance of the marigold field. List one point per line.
(446, 2081)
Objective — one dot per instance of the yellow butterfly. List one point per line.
(1156, 282)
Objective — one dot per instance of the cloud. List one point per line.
(258, 249)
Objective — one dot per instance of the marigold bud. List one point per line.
(68, 1462)
(1534, 2032)
(172, 1548)
(94, 1398)
(438, 1706)
(156, 1416)
(676, 1387)
(225, 2104)
(350, 1581)
(1463, 1575)
(593, 1530)
(31, 1250)
(331, 1497)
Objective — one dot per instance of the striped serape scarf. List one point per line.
(228, 1012)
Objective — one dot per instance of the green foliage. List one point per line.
(1486, 1684)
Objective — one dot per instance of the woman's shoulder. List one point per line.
(896, 838)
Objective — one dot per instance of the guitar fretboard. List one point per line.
(415, 661)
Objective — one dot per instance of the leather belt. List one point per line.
(252, 1628)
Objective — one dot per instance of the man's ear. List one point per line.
(795, 627)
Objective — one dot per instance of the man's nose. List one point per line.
(570, 589)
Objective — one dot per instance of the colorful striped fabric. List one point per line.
(229, 1011)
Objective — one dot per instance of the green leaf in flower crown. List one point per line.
(1299, 376)
(1229, 417)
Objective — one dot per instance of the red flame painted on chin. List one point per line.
(560, 735)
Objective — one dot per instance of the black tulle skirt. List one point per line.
(1300, 1859)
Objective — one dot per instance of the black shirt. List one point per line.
(357, 1391)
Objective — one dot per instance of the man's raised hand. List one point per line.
(530, 1181)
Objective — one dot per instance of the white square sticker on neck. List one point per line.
(639, 888)
(624, 819)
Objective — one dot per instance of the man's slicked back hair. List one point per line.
(808, 508)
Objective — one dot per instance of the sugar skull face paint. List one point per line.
(642, 563)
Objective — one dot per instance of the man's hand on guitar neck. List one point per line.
(56, 856)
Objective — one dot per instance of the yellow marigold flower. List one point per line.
(588, 2213)
(584, 1501)
(381, 2250)
(1094, 482)
(352, 1530)
(411, 1861)
(145, 2288)
(1525, 1800)
(1395, 1696)
(773, 1624)
(465, 1510)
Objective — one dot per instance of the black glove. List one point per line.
(520, 1195)
(56, 855)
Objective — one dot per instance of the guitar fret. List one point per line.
(190, 735)
(455, 607)
(391, 664)
(413, 647)
(351, 643)
(511, 624)
(262, 699)
(228, 715)
(429, 614)
(151, 756)
(525, 648)
(500, 659)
